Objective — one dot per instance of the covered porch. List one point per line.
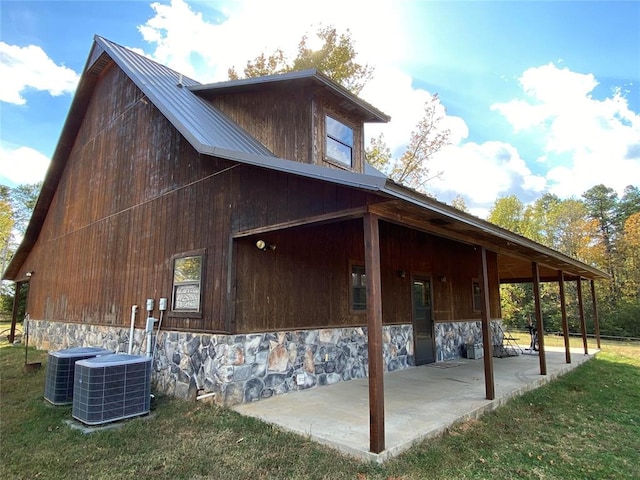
(495, 256)
(420, 403)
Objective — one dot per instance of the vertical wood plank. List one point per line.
(374, 332)
(535, 271)
(596, 321)
(583, 326)
(565, 322)
(485, 315)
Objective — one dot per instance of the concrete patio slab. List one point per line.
(420, 402)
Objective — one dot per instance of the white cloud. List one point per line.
(392, 92)
(184, 40)
(22, 165)
(22, 68)
(595, 135)
(482, 172)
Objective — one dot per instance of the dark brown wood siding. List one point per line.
(133, 194)
(291, 123)
(280, 120)
(305, 281)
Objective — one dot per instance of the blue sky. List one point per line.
(539, 96)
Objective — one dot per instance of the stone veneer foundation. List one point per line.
(245, 368)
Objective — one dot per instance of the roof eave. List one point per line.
(373, 115)
(418, 199)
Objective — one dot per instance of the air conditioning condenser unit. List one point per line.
(110, 388)
(58, 385)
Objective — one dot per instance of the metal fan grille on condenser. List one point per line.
(58, 386)
(110, 388)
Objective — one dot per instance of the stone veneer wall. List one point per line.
(245, 368)
(452, 337)
(240, 368)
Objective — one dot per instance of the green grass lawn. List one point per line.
(585, 425)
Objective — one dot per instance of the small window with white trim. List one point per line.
(186, 295)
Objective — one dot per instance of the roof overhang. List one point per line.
(291, 80)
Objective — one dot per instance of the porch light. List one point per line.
(264, 246)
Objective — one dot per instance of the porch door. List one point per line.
(423, 321)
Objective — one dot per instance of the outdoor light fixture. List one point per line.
(402, 273)
(264, 246)
(28, 274)
(443, 279)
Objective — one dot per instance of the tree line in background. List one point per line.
(600, 229)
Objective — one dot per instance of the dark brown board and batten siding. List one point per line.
(305, 281)
(291, 123)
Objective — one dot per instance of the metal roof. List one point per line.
(203, 125)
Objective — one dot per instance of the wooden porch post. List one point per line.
(535, 270)
(485, 315)
(565, 323)
(596, 321)
(374, 332)
(583, 327)
(14, 312)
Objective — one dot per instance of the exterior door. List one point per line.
(423, 321)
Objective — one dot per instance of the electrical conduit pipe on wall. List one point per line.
(162, 306)
(134, 311)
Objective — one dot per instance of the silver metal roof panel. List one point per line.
(203, 125)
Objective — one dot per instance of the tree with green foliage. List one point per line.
(23, 201)
(336, 59)
(540, 219)
(508, 212)
(629, 204)
(6, 226)
(629, 250)
(378, 153)
(16, 206)
(601, 203)
(601, 230)
(427, 139)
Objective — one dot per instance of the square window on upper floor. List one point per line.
(339, 142)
